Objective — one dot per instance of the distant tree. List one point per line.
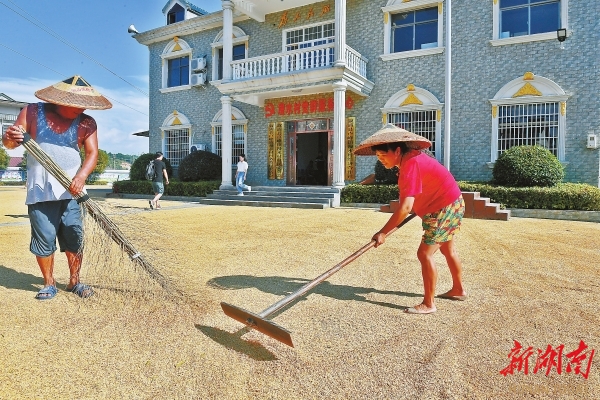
(4, 158)
(23, 163)
(102, 163)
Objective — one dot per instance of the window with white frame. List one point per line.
(240, 51)
(176, 65)
(176, 145)
(520, 21)
(175, 14)
(420, 122)
(528, 125)
(238, 134)
(417, 110)
(528, 17)
(412, 28)
(529, 111)
(306, 37)
(238, 146)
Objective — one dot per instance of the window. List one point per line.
(309, 36)
(238, 142)
(414, 30)
(528, 111)
(420, 122)
(179, 71)
(177, 145)
(528, 125)
(528, 17)
(239, 53)
(176, 14)
(521, 21)
(176, 66)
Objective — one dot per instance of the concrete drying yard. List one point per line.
(529, 280)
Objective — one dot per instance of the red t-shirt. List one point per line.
(428, 181)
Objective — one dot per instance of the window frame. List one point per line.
(548, 92)
(238, 119)
(396, 7)
(239, 37)
(329, 39)
(175, 121)
(170, 12)
(497, 41)
(169, 54)
(403, 102)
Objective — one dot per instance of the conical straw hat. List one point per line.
(74, 92)
(391, 134)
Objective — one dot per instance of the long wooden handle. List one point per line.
(291, 297)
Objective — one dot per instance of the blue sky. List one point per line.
(92, 42)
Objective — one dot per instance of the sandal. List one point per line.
(46, 293)
(81, 290)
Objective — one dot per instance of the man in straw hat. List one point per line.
(60, 128)
(429, 190)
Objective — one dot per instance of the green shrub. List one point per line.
(563, 196)
(200, 166)
(380, 194)
(138, 168)
(523, 166)
(174, 188)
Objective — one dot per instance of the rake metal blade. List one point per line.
(257, 322)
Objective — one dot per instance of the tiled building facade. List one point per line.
(321, 77)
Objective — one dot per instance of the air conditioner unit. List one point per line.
(198, 63)
(198, 79)
(197, 147)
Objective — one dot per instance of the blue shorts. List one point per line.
(51, 220)
(158, 187)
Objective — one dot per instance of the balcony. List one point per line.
(303, 71)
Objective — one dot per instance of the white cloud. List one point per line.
(115, 126)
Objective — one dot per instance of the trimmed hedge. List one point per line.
(527, 166)
(200, 166)
(174, 188)
(564, 196)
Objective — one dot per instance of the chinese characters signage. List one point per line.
(304, 106)
(302, 17)
(578, 361)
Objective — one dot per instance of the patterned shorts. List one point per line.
(441, 226)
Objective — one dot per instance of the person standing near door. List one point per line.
(240, 175)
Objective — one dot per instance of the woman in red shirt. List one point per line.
(427, 189)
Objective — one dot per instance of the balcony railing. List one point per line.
(297, 60)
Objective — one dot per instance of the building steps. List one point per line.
(315, 197)
(475, 207)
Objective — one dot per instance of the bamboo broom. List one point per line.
(93, 209)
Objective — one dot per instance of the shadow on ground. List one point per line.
(11, 279)
(283, 286)
(234, 341)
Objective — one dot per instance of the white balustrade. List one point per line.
(296, 60)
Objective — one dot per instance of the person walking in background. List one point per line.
(240, 176)
(427, 189)
(60, 128)
(158, 186)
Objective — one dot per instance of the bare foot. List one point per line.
(420, 309)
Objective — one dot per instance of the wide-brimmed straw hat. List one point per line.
(74, 92)
(391, 134)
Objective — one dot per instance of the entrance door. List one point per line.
(312, 161)
(310, 154)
